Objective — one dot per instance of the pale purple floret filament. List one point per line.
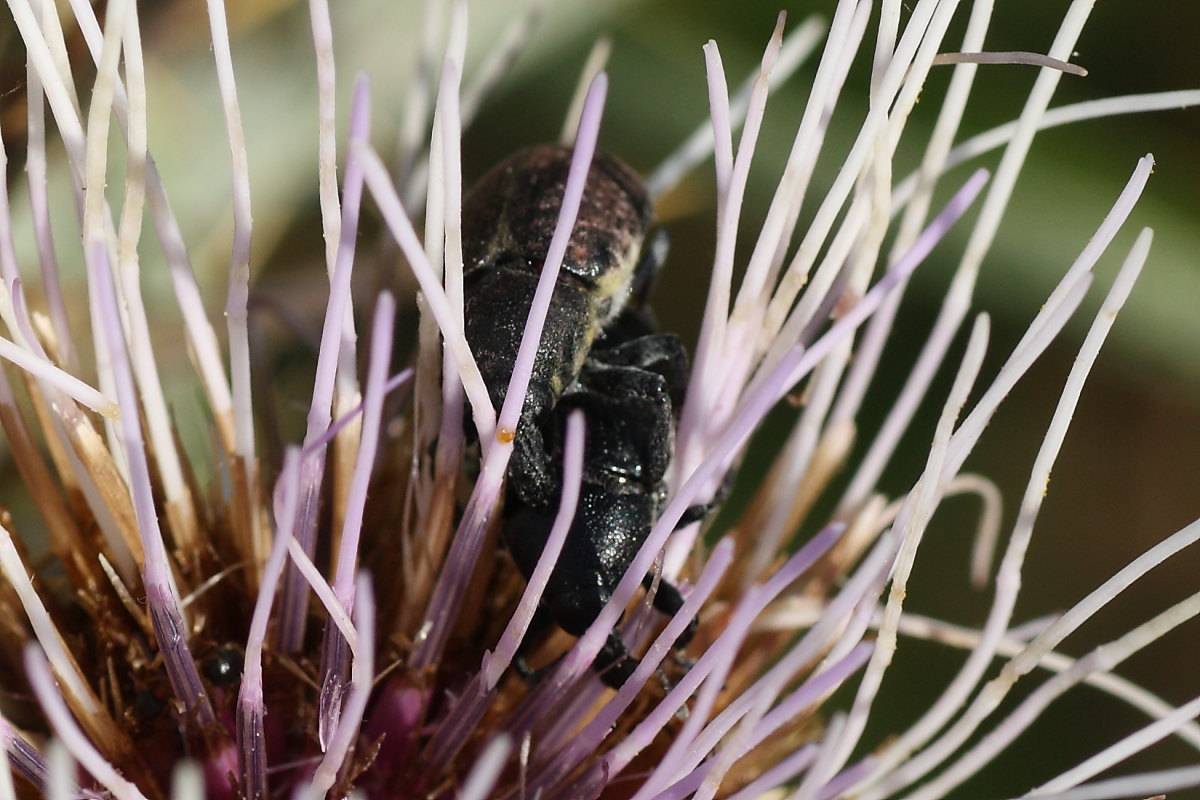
(20, 316)
(1122, 750)
(487, 770)
(443, 248)
(327, 146)
(68, 384)
(361, 677)
(293, 607)
(465, 713)
(41, 680)
(161, 594)
(447, 131)
(35, 167)
(251, 740)
(581, 159)
(334, 655)
(780, 774)
(723, 652)
(798, 45)
(239, 259)
(497, 662)
(23, 758)
(372, 414)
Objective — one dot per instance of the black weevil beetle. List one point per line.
(508, 219)
(595, 355)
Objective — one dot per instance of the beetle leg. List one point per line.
(694, 513)
(613, 663)
(528, 674)
(697, 512)
(539, 626)
(531, 471)
(575, 611)
(631, 424)
(667, 600)
(661, 354)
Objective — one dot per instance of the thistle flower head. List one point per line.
(346, 621)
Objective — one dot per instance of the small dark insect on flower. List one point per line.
(593, 358)
(223, 666)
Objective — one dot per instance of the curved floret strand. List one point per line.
(1011, 57)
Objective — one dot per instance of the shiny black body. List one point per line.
(597, 355)
(625, 394)
(223, 667)
(508, 221)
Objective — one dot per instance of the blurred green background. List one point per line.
(1130, 468)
